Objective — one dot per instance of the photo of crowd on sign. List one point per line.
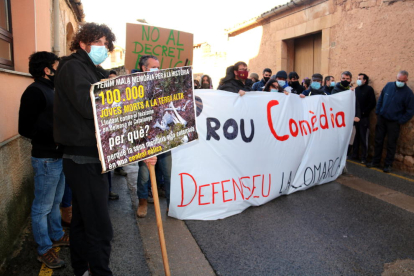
(143, 114)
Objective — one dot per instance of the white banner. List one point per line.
(254, 148)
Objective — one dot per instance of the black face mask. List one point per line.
(205, 86)
(345, 83)
(51, 77)
(266, 79)
(294, 83)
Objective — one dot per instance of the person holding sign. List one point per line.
(150, 63)
(91, 229)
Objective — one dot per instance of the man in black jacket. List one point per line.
(366, 98)
(395, 107)
(235, 79)
(36, 123)
(258, 86)
(91, 229)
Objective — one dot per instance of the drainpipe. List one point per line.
(56, 10)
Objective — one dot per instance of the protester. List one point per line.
(272, 86)
(345, 85)
(197, 84)
(235, 79)
(164, 162)
(91, 229)
(254, 77)
(306, 83)
(36, 123)
(329, 84)
(258, 86)
(366, 98)
(395, 107)
(281, 77)
(206, 82)
(294, 83)
(315, 87)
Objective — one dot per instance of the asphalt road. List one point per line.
(346, 227)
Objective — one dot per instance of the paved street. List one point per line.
(361, 224)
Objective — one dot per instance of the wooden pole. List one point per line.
(159, 221)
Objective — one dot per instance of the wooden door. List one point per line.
(308, 55)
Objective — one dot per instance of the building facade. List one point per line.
(375, 37)
(26, 26)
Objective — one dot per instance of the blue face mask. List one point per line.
(281, 82)
(153, 69)
(359, 82)
(316, 85)
(274, 90)
(399, 84)
(98, 54)
(332, 84)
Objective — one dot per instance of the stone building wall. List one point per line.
(375, 37)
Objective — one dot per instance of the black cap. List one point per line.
(281, 74)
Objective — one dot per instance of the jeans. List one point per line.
(164, 161)
(49, 187)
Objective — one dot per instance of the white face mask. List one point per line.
(153, 69)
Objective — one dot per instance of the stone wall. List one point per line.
(17, 192)
(374, 37)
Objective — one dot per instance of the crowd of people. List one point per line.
(57, 115)
(395, 105)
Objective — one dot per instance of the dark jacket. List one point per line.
(36, 118)
(328, 90)
(314, 92)
(74, 125)
(339, 88)
(396, 104)
(366, 98)
(258, 86)
(296, 88)
(234, 86)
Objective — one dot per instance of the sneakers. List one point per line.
(150, 199)
(50, 259)
(142, 208)
(387, 169)
(113, 196)
(120, 171)
(64, 241)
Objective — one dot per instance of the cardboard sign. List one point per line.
(255, 148)
(172, 48)
(142, 115)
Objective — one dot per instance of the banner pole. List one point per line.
(159, 221)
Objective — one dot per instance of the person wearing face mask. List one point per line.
(329, 84)
(74, 128)
(148, 63)
(36, 123)
(281, 77)
(315, 87)
(294, 83)
(395, 107)
(206, 82)
(258, 86)
(366, 98)
(235, 79)
(345, 85)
